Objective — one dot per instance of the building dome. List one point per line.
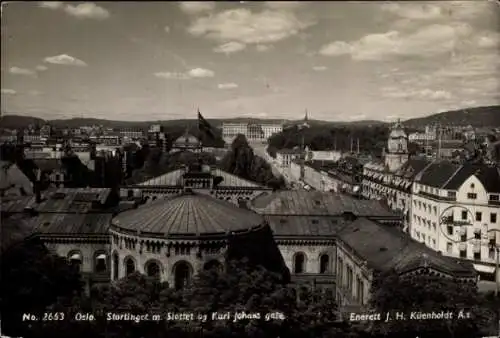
(189, 215)
(397, 131)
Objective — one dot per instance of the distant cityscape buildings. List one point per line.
(258, 132)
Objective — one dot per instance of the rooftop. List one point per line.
(389, 248)
(298, 202)
(188, 214)
(450, 176)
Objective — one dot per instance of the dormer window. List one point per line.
(472, 186)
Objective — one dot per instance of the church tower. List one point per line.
(397, 148)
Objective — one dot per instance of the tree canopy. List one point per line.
(242, 161)
(427, 293)
(31, 279)
(325, 137)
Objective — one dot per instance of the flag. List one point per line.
(204, 127)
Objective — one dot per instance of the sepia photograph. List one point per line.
(250, 169)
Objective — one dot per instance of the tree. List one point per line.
(426, 293)
(242, 161)
(32, 278)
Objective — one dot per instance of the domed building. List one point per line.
(187, 142)
(172, 238)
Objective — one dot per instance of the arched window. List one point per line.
(75, 259)
(115, 266)
(299, 263)
(153, 269)
(129, 266)
(100, 263)
(182, 274)
(213, 265)
(324, 263)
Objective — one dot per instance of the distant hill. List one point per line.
(477, 117)
(488, 116)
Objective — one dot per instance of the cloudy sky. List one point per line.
(339, 60)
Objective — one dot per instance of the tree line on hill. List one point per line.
(50, 285)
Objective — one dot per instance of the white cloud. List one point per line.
(263, 48)
(21, 71)
(51, 4)
(442, 10)
(196, 7)
(227, 86)
(65, 59)
(414, 11)
(428, 41)
(201, 72)
(41, 68)
(422, 94)
(87, 10)
(230, 47)
(319, 68)
(172, 75)
(242, 25)
(489, 40)
(193, 73)
(167, 29)
(7, 91)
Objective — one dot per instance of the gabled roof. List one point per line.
(173, 178)
(488, 175)
(450, 176)
(384, 247)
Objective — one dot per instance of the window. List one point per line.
(153, 270)
(464, 215)
(433, 242)
(477, 255)
(449, 228)
(324, 261)
(491, 253)
(75, 260)
(182, 275)
(115, 266)
(463, 253)
(129, 266)
(100, 263)
(494, 197)
(471, 196)
(478, 216)
(299, 263)
(463, 238)
(477, 234)
(452, 194)
(449, 247)
(472, 185)
(493, 217)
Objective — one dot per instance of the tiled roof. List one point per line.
(16, 204)
(78, 224)
(297, 202)
(450, 176)
(71, 200)
(437, 174)
(188, 214)
(303, 226)
(173, 178)
(488, 175)
(389, 248)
